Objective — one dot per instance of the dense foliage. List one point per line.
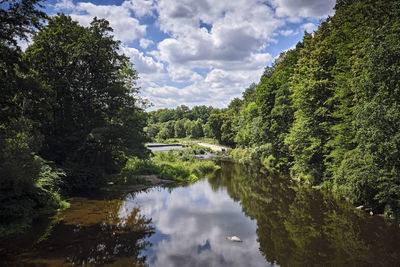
(180, 122)
(69, 111)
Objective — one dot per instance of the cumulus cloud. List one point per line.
(144, 43)
(228, 40)
(216, 89)
(297, 9)
(236, 30)
(141, 7)
(143, 64)
(126, 28)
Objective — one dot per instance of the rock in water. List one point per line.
(234, 238)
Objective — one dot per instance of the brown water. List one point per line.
(280, 222)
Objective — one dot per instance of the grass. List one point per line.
(176, 165)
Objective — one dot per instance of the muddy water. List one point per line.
(280, 223)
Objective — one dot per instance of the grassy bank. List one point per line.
(175, 165)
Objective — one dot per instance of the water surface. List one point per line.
(280, 222)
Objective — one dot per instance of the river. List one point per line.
(280, 222)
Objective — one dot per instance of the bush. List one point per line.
(17, 210)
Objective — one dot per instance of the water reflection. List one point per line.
(300, 226)
(90, 232)
(280, 223)
(192, 224)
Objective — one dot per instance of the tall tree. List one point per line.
(95, 118)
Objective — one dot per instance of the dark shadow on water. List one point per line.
(90, 232)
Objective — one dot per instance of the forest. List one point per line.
(326, 111)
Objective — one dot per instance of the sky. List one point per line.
(200, 52)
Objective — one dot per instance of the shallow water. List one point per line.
(280, 223)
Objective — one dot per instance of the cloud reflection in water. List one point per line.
(192, 224)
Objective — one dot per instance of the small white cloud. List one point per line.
(309, 27)
(143, 64)
(141, 7)
(294, 10)
(144, 43)
(288, 32)
(65, 5)
(126, 28)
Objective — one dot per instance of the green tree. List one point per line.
(95, 120)
(179, 129)
(378, 118)
(196, 130)
(19, 19)
(215, 122)
(28, 186)
(312, 89)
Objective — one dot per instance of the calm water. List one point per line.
(280, 223)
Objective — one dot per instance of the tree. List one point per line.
(196, 130)
(249, 94)
(312, 89)
(28, 185)
(215, 121)
(378, 117)
(179, 129)
(18, 19)
(95, 118)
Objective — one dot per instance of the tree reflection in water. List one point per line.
(91, 232)
(300, 226)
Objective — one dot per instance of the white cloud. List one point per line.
(143, 64)
(65, 4)
(126, 28)
(288, 32)
(238, 31)
(297, 9)
(216, 89)
(141, 7)
(228, 40)
(309, 27)
(144, 43)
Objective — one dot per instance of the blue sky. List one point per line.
(197, 52)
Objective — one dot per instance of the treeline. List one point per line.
(329, 109)
(180, 122)
(69, 112)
